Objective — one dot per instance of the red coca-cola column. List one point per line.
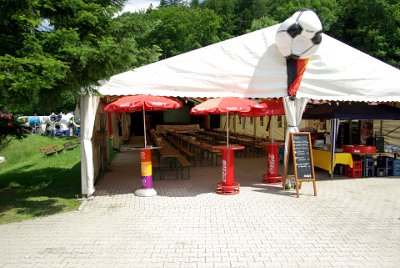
(228, 184)
(272, 175)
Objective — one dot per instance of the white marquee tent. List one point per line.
(248, 66)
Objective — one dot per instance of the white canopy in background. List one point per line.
(251, 66)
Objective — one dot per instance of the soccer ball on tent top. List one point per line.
(299, 36)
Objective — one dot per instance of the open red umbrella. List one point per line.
(143, 103)
(226, 105)
(271, 107)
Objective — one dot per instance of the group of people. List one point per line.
(55, 124)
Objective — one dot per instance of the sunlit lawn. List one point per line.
(33, 184)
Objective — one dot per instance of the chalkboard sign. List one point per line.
(302, 160)
(302, 156)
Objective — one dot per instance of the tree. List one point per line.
(246, 11)
(327, 10)
(82, 43)
(225, 9)
(260, 23)
(194, 3)
(164, 3)
(237, 15)
(181, 29)
(372, 26)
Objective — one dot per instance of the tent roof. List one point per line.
(251, 66)
(352, 110)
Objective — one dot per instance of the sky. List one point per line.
(134, 5)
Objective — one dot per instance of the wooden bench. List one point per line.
(70, 145)
(157, 168)
(217, 154)
(257, 150)
(189, 154)
(184, 164)
(51, 149)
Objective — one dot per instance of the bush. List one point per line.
(11, 128)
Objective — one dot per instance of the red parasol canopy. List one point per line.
(226, 105)
(143, 103)
(137, 103)
(271, 107)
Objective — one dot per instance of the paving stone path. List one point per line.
(351, 223)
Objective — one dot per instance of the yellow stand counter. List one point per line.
(322, 159)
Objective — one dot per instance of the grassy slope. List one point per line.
(33, 184)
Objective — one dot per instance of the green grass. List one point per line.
(33, 184)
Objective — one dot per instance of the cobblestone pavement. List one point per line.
(351, 223)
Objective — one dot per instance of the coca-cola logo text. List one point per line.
(271, 164)
(224, 170)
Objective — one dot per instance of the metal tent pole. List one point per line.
(144, 127)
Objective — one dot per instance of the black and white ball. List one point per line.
(299, 36)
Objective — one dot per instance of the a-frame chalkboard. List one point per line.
(300, 143)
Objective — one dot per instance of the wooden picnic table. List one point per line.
(174, 159)
(169, 152)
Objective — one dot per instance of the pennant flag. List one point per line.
(295, 71)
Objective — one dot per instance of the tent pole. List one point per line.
(334, 131)
(144, 127)
(255, 127)
(227, 129)
(333, 123)
(234, 123)
(268, 128)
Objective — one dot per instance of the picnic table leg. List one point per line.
(147, 174)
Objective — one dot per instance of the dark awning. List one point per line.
(352, 110)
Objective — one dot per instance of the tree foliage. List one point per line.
(373, 26)
(225, 9)
(164, 3)
(180, 29)
(260, 23)
(327, 10)
(81, 44)
(50, 50)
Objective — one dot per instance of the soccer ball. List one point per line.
(299, 36)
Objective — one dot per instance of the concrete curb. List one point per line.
(84, 202)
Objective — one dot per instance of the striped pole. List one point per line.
(146, 168)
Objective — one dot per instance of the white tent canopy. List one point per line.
(251, 66)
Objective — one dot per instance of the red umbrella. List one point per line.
(271, 107)
(226, 105)
(143, 103)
